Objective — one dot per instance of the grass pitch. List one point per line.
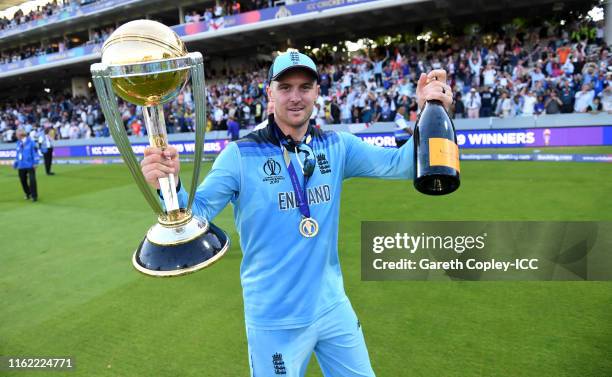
(68, 288)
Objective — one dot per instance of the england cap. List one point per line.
(292, 60)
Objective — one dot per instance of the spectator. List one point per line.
(504, 106)
(489, 75)
(583, 99)
(529, 101)
(233, 129)
(553, 104)
(458, 107)
(487, 101)
(517, 105)
(606, 99)
(538, 109)
(472, 103)
(595, 106)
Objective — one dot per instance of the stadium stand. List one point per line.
(521, 70)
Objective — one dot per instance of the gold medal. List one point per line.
(309, 227)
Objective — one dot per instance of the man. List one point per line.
(25, 163)
(472, 102)
(553, 104)
(403, 131)
(378, 68)
(606, 99)
(536, 76)
(529, 101)
(233, 128)
(284, 181)
(567, 97)
(46, 147)
(583, 99)
(269, 111)
(488, 75)
(334, 110)
(504, 106)
(459, 107)
(487, 100)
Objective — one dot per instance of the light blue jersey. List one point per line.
(290, 281)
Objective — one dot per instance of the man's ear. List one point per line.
(269, 93)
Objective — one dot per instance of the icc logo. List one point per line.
(271, 167)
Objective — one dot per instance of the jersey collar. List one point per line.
(272, 130)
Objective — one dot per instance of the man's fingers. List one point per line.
(437, 75)
(170, 152)
(158, 166)
(439, 86)
(155, 158)
(152, 151)
(422, 81)
(151, 159)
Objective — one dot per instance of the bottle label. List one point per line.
(443, 152)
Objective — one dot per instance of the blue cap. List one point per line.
(291, 60)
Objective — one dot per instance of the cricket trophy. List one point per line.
(146, 63)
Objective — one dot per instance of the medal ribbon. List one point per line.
(297, 188)
(295, 182)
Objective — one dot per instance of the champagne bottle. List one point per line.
(436, 153)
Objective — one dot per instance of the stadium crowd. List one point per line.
(53, 7)
(231, 7)
(213, 16)
(530, 72)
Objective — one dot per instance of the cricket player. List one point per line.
(284, 182)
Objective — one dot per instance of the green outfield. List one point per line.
(67, 286)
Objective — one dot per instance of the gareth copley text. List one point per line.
(456, 264)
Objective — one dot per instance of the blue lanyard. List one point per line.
(300, 192)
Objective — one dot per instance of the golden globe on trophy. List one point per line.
(146, 63)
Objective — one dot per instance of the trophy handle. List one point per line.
(199, 98)
(108, 101)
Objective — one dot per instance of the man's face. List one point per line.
(294, 95)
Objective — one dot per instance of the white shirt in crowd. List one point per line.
(218, 114)
(345, 111)
(583, 100)
(606, 100)
(347, 79)
(489, 76)
(505, 107)
(529, 102)
(472, 100)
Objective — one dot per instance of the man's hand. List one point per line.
(159, 164)
(432, 86)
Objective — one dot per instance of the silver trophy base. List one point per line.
(178, 250)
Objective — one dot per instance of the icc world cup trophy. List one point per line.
(145, 63)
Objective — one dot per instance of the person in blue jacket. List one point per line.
(25, 163)
(284, 181)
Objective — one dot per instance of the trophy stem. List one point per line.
(156, 129)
